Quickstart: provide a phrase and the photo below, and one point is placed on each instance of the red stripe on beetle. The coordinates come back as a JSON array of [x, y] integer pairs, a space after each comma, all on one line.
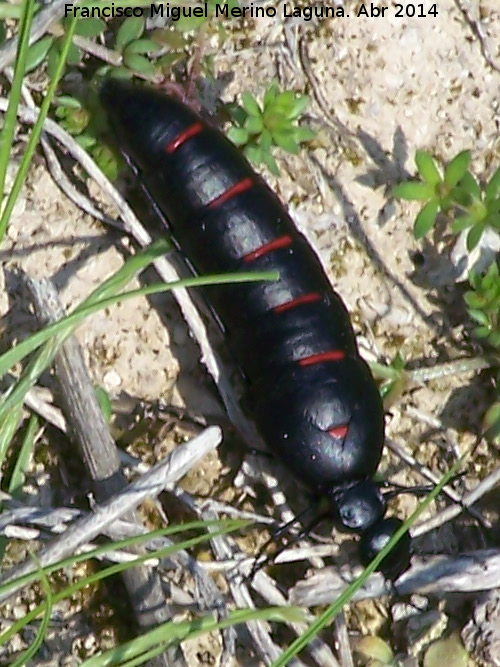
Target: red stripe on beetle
[[312, 297], [338, 431], [332, 355], [181, 138], [275, 244], [231, 192]]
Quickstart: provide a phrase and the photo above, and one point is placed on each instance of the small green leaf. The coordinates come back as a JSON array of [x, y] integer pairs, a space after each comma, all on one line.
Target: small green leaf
[[237, 113], [130, 30], [491, 422], [480, 317], [254, 153], [461, 223], [425, 219], [387, 388], [427, 168], [169, 37], [90, 27], [250, 104], [37, 52], [474, 236], [469, 185], [265, 140], [270, 94], [104, 403], [303, 134], [189, 23], [74, 55], [139, 64], [142, 46], [75, 121], [493, 221], [399, 362], [106, 160], [449, 651], [254, 124], [374, 648], [492, 187], [52, 60], [482, 332], [297, 107], [238, 135], [456, 169], [68, 101], [86, 141], [474, 300], [494, 339], [285, 141], [413, 191], [270, 162]]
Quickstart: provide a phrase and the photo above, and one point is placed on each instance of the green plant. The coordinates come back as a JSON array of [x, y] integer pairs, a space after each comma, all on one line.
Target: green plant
[[134, 48], [456, 191], [393, 377], [50, 46], [491, 419], [260, 129], [483, 302], [86, 125]]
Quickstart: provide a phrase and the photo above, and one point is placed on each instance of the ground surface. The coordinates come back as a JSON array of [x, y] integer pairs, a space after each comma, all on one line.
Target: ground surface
[[380, 88]]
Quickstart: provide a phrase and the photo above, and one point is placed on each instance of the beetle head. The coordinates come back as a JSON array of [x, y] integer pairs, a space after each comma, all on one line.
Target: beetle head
[[360, 507]]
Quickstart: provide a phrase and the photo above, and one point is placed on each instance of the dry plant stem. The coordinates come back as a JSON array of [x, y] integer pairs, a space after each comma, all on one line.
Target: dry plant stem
[[267, 588], [160, 477], [317, 95], [484, 487], [98, 50], [91, 434], [55, 169], [434, 479], [257, 630], [343, 641], [63, 182], [470, 11], [37, 403], [14, 520], [466, 573], [450, 368]]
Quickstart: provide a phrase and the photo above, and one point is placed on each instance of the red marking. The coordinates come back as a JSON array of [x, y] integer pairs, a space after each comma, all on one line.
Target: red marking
[[338, 431], [299, 301], [332, 355], [181, 138], [234, 190], [275, 244]]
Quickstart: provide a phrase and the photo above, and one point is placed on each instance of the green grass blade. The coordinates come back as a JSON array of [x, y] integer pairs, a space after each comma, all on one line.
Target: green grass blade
[[37, 129], [222, 528], [10, 118], [329, 614], [129, 654], [44, 625], [228, 525], [23, 458], [68, 323]]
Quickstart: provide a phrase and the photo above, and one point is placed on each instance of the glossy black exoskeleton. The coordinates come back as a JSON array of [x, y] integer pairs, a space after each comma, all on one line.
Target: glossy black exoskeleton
[[311, 395]]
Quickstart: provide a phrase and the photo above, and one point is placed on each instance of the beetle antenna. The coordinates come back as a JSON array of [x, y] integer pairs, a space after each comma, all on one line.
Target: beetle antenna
[[257, 565]]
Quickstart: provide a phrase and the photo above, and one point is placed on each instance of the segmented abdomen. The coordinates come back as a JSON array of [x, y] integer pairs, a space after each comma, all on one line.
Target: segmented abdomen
[[312, 397]]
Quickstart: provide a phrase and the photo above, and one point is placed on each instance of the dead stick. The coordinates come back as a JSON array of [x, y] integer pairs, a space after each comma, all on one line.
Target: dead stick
[[90, 432]]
